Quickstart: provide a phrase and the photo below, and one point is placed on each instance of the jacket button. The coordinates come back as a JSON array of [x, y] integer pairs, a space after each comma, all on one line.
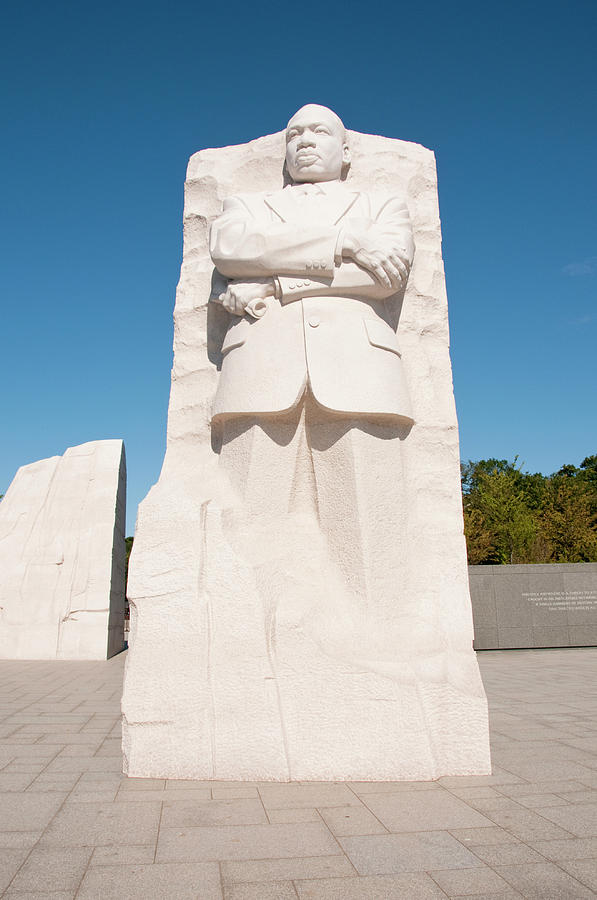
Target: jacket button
[[292, 286], [309, 264], [314, 321]]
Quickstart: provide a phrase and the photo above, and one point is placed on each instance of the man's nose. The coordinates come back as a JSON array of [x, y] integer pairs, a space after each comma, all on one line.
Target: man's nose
[[305, 140]]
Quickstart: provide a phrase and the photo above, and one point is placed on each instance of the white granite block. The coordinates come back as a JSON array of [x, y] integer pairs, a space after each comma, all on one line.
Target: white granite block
[[62, 556], [277, 640]]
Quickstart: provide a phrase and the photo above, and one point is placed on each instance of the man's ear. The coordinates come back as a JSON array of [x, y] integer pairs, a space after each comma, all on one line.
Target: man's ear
[[345, 162]]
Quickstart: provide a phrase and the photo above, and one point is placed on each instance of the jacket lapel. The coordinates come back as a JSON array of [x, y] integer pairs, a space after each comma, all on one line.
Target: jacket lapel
[[334, 205]]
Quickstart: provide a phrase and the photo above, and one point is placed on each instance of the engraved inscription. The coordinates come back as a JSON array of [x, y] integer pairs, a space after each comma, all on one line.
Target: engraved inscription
[[562, 599]]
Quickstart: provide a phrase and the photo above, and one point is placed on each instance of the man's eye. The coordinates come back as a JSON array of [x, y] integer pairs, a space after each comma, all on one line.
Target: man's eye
[[321, 131], [292, 134]]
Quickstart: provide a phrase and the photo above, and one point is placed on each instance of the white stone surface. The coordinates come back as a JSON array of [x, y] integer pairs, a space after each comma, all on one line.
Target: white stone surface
[[274, 637], [62, 556]]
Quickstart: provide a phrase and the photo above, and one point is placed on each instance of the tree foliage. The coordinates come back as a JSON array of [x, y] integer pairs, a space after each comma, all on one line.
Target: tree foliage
[[511, 516], [128, 541]]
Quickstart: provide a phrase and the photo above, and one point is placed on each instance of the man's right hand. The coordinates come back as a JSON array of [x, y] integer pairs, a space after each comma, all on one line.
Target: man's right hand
[[384, 264]]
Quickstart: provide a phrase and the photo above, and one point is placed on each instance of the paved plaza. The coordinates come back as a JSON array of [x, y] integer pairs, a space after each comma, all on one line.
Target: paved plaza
[[72, 826]]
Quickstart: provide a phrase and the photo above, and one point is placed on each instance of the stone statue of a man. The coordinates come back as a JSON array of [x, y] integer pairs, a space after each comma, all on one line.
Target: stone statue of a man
[[312, 402], [321, 260], [298, 585]]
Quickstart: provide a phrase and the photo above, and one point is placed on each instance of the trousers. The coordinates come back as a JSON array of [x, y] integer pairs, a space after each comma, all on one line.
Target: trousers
[[344, 474]]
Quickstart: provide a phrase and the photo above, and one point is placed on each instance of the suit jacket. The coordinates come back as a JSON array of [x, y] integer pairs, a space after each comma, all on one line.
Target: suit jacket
[[327, 328]]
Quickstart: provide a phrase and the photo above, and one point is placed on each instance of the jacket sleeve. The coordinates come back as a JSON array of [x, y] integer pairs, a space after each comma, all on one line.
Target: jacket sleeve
[[242, 246], [392, 228]]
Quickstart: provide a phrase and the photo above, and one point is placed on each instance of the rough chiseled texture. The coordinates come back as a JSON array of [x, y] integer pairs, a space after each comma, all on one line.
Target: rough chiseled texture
[[249, 658], [62, 556]]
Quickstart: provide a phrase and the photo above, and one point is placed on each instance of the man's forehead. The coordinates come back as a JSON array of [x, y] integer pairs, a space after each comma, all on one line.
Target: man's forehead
[[313, 114]]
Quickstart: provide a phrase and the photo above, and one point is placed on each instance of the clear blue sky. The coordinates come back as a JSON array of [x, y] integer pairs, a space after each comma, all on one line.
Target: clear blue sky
[[102, 104]]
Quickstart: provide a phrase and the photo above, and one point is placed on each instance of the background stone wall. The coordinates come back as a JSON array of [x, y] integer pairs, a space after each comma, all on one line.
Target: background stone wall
[[534, 606]]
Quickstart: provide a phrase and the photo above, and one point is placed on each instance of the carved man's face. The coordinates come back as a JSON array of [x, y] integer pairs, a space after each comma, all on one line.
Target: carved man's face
[[316, 148]]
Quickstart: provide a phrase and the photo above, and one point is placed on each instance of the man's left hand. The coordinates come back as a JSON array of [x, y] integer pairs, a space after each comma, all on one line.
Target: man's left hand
[[241, 294]]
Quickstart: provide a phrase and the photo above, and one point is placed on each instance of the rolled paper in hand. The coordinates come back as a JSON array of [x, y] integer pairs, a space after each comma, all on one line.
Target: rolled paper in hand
[[256, 308]]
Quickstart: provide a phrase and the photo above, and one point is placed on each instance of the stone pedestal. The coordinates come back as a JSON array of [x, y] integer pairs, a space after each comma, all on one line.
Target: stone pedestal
[[62, 556], [251, 657]]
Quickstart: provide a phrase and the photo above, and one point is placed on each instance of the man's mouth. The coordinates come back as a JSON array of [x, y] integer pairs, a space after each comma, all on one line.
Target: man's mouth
[[306, 157]]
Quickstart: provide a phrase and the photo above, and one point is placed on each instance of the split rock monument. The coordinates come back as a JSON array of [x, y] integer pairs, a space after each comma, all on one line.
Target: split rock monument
[[63, 556], [298, 584]]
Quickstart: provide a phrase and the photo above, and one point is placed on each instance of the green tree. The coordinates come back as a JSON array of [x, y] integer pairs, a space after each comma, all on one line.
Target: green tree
[[568, 519], [129, 546], [511, 516], [480, 543], [501, 506], [588, 475]]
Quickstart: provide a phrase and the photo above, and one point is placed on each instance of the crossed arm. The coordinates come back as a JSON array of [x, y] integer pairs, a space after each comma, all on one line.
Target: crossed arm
[[361, 257]]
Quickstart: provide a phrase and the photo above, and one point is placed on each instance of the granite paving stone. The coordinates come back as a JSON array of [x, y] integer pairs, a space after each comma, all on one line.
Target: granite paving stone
[[383, 854], [546, 769], [28, 812], [17, 840], [96, 824], [509, 895], [275, 890], [65, 782], [475, 792], [79, 795], [285, 796], [346, 820], [538, 801], [121, 855], [363, 788], [29, 767], [183, 881], [39, 895], [240, 792], [70, 740], [282, 816], [507, 854], [85, 764], [245, 842], [544, 881], [580, 819], [15, 781], [498, 776], [199, 796], [573, 848], [585, 796], [529, 825], [185, 813], [460, 882], [493, 804], [292, 869], [480, 836], [415, 811], [10, 863], [149, 784], [584, 870], [371, 887], [527, 788], [55, 869]]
